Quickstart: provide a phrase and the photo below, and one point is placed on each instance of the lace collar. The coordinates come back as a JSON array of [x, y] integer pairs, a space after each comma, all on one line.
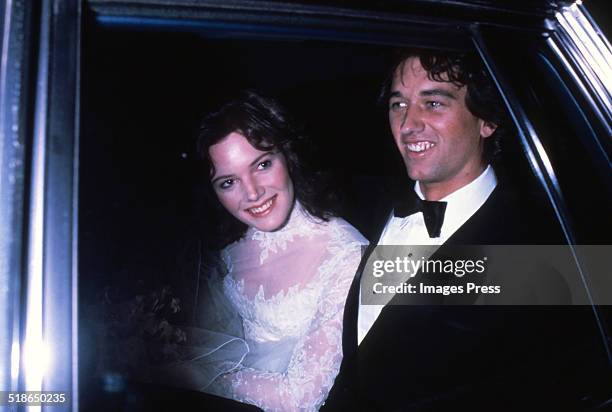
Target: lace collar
[[300, 224]]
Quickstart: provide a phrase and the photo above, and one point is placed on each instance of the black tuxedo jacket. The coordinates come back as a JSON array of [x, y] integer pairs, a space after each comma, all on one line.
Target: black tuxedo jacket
[[421, 358]]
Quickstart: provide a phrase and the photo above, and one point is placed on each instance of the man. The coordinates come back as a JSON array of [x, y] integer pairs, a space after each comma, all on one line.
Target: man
[[447, 122], [439, 138]]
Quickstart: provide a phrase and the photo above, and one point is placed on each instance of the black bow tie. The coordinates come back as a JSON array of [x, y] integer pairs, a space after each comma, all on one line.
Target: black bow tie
[[433, 211]]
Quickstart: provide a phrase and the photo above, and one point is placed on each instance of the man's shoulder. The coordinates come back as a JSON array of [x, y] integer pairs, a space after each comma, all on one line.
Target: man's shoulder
[[511, 216]]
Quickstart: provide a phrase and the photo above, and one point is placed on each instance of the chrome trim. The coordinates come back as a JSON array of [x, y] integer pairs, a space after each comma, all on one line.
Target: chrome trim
[[573, 54], [529, 15], [591, 55], [51, 300], [15, 22], [75, 217], [580, 111], [554, 46], [597, 31], [34, 277], [60, 292]]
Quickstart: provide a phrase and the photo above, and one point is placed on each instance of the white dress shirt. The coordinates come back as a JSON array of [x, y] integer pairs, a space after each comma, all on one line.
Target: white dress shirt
[[411, 230]]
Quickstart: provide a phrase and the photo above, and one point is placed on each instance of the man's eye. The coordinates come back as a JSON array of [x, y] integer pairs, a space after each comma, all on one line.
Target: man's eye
[[226, 184], [395, 106], [264, 165], [434, 104]]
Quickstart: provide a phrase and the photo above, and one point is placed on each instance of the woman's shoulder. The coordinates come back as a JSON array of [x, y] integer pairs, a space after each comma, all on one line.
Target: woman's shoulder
[[346, 231]]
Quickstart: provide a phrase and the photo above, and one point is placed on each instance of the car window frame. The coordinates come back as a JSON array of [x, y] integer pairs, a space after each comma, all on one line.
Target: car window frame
[[48, 252]]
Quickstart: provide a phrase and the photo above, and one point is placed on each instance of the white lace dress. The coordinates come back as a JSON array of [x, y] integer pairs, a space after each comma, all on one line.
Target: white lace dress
[[289, 288]]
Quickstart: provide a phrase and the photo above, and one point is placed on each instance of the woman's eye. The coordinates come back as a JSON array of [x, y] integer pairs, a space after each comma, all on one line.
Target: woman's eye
[[264, 165], [226, 184]]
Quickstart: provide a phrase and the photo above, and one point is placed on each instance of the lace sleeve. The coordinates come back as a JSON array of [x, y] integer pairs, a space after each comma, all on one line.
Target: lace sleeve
[[315, 362]]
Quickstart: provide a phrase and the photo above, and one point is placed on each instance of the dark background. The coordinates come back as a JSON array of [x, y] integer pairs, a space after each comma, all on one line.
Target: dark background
[[143, 97]]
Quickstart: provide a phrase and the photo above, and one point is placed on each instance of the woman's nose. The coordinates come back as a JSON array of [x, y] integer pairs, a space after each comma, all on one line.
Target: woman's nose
[[253, 190]]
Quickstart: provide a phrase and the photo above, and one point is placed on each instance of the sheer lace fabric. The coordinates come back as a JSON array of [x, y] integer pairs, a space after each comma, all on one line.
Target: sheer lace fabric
[[289, 288]]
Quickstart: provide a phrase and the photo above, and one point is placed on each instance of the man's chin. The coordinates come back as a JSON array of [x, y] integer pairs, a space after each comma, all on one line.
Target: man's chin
[[418, 175]]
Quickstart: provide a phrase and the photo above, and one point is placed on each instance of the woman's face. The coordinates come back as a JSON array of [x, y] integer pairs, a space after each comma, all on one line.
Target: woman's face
[[254, 186]]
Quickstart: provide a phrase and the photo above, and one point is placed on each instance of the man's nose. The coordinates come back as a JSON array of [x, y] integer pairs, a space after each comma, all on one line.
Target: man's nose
[[253, 190], [412, 121]]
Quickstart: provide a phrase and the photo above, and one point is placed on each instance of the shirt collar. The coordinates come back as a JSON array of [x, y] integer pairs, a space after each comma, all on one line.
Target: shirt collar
[[465, 201]]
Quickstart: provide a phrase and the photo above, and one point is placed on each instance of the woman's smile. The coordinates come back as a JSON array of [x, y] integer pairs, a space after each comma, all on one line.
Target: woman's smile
[[263, 209], [252, 184]]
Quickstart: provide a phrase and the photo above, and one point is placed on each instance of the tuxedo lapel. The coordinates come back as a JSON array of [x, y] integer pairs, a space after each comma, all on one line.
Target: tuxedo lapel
[[481, 228], [446, 352], [499, 221], [351, 308]]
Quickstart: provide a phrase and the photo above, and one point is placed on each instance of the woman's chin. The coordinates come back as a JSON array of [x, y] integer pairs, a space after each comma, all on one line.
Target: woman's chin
[[271, 223]]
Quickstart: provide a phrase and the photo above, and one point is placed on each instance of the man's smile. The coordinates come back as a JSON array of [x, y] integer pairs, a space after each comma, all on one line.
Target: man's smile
[[419, 147]]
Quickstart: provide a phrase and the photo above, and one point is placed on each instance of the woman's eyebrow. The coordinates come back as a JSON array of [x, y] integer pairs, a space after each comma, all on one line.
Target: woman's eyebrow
[[253, 163], [220, 178], [258, 158]]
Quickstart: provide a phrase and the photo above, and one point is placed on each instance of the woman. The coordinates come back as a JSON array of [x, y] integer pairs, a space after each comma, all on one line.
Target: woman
[[289, 262]]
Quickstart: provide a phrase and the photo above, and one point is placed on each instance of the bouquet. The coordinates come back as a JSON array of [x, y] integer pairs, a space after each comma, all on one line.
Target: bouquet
[[135, 333]]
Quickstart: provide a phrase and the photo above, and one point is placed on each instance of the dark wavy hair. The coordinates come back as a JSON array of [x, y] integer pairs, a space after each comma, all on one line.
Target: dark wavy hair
[[267, 127], [461, 69]]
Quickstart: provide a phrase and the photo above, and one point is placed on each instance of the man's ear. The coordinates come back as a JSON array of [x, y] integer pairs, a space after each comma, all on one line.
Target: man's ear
[[487, 128]]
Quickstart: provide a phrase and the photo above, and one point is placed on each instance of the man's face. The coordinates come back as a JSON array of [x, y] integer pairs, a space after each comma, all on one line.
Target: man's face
[[440, 141]]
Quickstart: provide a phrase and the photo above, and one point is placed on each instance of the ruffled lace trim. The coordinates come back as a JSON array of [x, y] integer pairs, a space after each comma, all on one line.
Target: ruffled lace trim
[[300, 224], [264, 315]]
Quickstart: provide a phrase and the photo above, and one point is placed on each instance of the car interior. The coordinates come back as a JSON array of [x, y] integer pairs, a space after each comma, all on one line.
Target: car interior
[[149, 71]]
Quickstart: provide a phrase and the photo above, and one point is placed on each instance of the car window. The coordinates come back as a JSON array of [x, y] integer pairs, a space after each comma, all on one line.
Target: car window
[[145, 88], [574, 139]]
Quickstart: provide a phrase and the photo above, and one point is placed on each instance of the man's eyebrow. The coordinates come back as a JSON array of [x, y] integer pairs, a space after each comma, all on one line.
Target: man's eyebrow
[[428, 92], [438, 92]]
